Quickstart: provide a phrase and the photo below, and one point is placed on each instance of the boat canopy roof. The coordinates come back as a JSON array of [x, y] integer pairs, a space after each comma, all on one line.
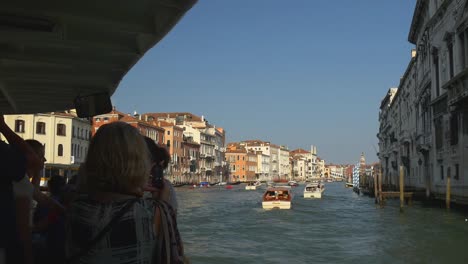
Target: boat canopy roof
[[52, 52]]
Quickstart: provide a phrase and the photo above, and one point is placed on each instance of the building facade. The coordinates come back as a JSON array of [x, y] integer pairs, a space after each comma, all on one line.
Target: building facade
[[65, 138], [424, 127]]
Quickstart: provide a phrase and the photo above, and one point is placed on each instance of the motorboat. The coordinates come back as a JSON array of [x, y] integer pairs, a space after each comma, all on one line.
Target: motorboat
[[258, 183], [349, 185], [251, 186], [293, 183], [314, 190], [277, 198]]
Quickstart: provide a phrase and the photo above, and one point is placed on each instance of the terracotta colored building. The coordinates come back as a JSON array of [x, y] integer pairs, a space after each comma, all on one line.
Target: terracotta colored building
[[148, 129], [174, 137], [242, 163]]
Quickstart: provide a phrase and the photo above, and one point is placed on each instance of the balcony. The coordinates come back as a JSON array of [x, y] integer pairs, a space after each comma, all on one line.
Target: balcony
[[457, 88]]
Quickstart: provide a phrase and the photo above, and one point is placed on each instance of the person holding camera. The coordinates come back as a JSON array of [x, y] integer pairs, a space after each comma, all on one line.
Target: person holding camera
[[112, 222], [158, 186]]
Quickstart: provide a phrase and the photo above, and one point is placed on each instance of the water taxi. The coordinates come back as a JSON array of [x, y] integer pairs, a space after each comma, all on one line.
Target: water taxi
[[293, 183], [314, 190], [251, 186], [277, 198]]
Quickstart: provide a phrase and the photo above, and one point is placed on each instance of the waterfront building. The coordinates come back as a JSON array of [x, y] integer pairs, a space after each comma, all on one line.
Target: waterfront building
[[284, 165], [146, 127], [299, 161], [304, 164], [274, 161], [174, 137], [242, 163], [211, 139], [265, 165], [424, 127], [320, 167], [190, 160], [65, 138]]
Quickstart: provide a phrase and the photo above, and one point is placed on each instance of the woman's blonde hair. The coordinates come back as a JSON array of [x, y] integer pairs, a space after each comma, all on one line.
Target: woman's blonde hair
[[117, 160]]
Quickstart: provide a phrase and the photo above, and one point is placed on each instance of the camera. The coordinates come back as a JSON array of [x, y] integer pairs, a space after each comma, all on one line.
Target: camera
[[157, 172]]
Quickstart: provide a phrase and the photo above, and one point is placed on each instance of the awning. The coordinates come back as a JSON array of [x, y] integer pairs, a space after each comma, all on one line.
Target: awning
[[53, 51]]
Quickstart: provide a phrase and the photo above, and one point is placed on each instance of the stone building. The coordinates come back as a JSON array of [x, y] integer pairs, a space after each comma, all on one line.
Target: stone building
[[424, 123]]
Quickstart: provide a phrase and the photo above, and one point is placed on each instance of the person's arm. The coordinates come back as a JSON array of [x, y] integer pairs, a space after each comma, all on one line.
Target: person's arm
[[23, 211], [32, 160], [46, 201]]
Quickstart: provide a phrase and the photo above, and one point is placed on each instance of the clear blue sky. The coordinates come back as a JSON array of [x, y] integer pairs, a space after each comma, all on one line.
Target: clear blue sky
[[295, 73]]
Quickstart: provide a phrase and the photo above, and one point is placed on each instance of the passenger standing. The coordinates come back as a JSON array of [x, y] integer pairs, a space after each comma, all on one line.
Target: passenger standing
[[161, 157], [16, 158], [112, 223]]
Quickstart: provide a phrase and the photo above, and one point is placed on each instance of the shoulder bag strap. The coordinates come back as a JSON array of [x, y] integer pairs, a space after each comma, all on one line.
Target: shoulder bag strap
[[84, 250]]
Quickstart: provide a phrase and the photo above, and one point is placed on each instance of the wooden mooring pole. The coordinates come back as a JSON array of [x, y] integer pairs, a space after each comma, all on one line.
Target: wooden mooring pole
[[376, 190], [402, 188], [380, 188], [447, 194]]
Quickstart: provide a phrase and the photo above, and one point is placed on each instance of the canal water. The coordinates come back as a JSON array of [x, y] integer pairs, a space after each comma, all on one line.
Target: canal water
[[230, 226]]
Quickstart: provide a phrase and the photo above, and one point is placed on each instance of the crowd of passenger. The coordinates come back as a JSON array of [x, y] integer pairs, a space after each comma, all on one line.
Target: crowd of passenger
[[115, 210]]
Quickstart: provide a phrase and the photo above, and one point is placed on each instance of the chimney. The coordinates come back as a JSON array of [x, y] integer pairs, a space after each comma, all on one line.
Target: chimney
[[202, 118], [413, 53]]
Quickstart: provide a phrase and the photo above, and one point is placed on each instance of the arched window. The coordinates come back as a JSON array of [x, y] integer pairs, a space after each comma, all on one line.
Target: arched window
[[60, 150], [61, 130]]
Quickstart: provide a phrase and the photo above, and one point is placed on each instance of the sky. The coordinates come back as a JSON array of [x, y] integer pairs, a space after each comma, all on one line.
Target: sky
[[295, 73]]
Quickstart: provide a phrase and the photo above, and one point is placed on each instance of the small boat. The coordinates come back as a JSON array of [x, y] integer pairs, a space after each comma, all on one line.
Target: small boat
[[221, 183], [251, 186], [258, 183], [277, 198], [349, 185], [314, 190], [270, 184], [293, 183]]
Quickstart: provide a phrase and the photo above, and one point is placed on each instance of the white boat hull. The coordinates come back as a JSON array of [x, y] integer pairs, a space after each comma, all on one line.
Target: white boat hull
[[276, 205], [251, 188], [317, 194]]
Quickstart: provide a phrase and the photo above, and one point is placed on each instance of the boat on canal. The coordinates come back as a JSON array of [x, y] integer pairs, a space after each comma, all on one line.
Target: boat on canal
[[314, 190], [293, 183], [251, 186], [279, 197]]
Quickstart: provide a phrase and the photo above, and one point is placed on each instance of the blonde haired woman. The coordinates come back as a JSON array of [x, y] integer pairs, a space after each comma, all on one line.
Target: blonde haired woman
[[112, 223]]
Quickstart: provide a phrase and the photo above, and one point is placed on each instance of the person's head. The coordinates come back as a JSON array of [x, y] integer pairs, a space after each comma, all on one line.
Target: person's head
[[56, 184], [159, 154], [38, 148], [73, 179], [117, 161]]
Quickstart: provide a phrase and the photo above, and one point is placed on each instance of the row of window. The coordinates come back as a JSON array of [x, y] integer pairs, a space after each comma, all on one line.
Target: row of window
[[78, 151], [456, 173], [61, 129], [40, 128], [98, 119], [81, 133], [176, 133]]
